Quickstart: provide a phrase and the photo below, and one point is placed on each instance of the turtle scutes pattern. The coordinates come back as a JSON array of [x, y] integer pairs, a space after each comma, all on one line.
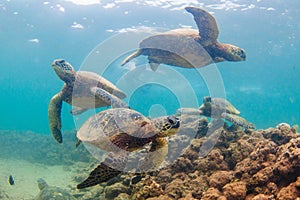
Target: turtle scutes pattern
[[188, 48], [120, 131], [83, 90]]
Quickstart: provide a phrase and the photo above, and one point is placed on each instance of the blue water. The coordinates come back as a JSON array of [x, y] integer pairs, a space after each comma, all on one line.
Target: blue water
[[265, 88]]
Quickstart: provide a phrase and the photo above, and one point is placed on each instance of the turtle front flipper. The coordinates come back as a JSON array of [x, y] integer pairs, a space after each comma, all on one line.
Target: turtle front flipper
[[108, 98], [188, 111], [156, 155], [54, 112], [207, 25], [237, 120]]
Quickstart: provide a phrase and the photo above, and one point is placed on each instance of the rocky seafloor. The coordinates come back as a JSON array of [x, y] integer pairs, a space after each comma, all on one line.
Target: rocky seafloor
[[259, 165], [243, 164]]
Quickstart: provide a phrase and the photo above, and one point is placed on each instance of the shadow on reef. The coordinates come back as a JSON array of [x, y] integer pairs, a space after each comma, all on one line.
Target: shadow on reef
[[38, 148], [262, 164]]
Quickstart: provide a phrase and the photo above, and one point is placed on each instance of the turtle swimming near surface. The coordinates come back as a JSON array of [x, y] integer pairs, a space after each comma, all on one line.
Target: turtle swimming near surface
[[83, 90], [120, 131], [188, 48]]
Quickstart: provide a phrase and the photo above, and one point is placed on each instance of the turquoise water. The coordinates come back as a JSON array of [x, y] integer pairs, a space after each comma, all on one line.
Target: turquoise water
[[265, 88]]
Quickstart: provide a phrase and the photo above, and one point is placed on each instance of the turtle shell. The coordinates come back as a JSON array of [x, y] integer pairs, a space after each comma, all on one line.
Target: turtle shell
[[116, 123], [179, 47], [80, 94]]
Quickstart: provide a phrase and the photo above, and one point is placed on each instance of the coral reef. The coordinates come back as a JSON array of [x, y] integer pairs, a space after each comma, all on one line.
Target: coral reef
[[45, 151], [243, 164], [262, 164]]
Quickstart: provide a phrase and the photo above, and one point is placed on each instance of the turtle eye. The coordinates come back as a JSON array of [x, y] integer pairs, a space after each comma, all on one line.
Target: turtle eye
[[242, 54], [66, 66], [172, 119], [136, 117], [60, 62], [207, 99]]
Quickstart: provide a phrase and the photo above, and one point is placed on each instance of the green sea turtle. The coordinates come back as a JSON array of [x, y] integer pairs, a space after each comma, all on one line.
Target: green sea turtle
[[121, 131], [217, 108], [188, 48], [51, 192], [83, 90]]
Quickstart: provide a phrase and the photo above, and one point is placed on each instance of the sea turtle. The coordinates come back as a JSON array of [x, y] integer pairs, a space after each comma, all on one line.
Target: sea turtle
[[121, 131], [217, 108], [83, 90], [188, 48], [51, 192]]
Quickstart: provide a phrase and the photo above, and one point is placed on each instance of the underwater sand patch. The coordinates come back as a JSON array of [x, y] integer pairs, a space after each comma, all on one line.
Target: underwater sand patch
[[26, 175]]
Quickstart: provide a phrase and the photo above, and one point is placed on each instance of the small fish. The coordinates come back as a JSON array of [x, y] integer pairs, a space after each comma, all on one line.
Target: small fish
[[11, 180]]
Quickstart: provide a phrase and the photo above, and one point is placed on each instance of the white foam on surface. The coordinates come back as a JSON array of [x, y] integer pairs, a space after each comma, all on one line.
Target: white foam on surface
[[35, 40], [175, 4], [109, 5], [77, 26], [84, 2]]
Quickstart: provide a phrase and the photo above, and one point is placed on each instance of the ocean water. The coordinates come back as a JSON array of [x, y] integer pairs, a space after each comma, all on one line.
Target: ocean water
[[265, 88], [96, 36]]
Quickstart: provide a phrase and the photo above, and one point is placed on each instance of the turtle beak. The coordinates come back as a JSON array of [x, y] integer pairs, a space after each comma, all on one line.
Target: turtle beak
[[58, 62], [144, 123], [53, 64]]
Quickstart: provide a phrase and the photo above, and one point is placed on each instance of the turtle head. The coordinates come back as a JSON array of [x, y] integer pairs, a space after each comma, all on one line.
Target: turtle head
[[233, 53], [42, 183], [207, 99], [64, 70], [167, 125]]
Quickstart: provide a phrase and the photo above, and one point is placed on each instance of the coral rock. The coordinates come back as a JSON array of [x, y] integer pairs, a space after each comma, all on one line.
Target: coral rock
[[262, 197], [161, 197], [235, 190], [122, 196], [174, 189], [112, 191], [146, 188], [291, 192], [219, 179], [211, 194]]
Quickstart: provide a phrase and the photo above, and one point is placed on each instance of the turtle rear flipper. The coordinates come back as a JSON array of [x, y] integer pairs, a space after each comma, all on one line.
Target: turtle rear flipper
[[54, 112], [155, 157], [77, 110], [100, 174], [108, 98], [207, 25], [153, 65], [111, 167], [132, 56]]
